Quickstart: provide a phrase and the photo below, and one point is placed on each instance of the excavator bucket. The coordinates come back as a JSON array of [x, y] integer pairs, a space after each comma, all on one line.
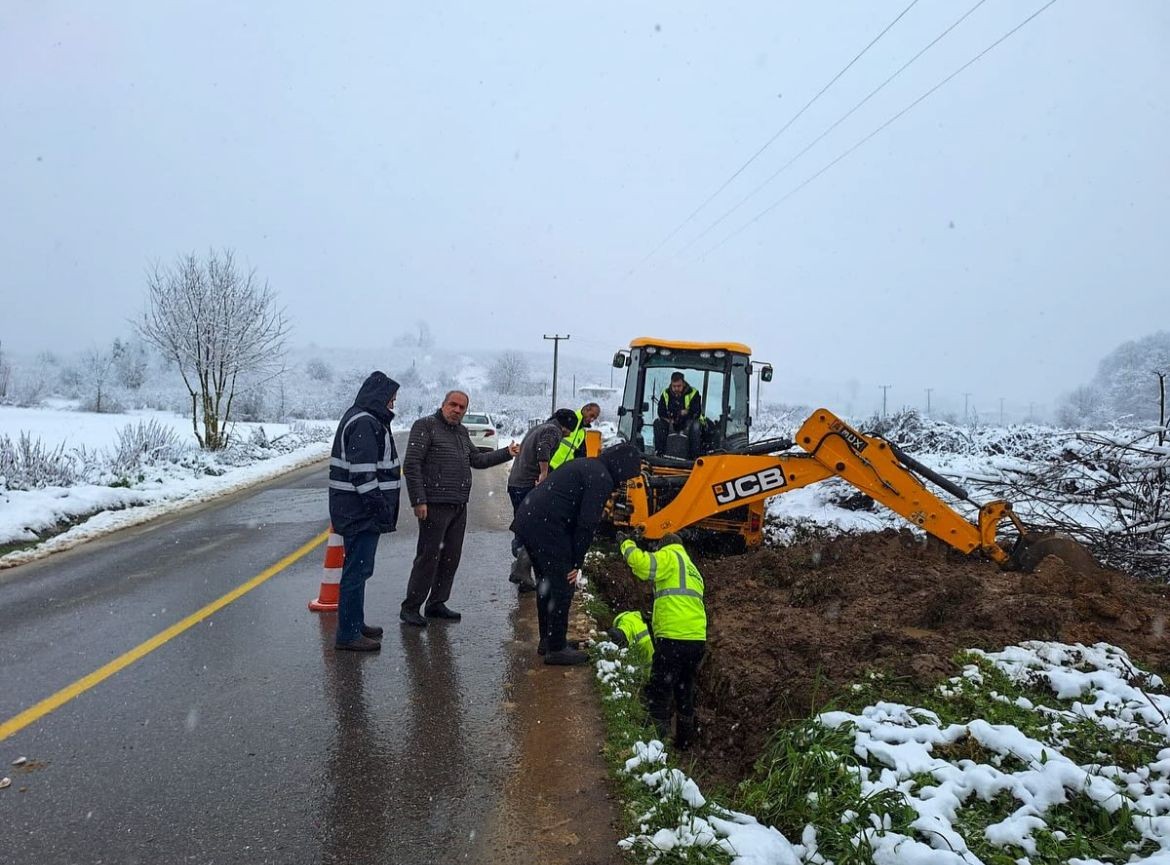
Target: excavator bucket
[[1031, 549]]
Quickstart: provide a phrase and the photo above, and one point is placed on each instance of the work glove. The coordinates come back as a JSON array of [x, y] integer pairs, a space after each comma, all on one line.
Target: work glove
[[622, 537]]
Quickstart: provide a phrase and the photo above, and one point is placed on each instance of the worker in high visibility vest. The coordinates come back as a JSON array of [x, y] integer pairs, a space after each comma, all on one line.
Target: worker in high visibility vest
[[629, 631], [680, 410], [680, 632], [573, 444]]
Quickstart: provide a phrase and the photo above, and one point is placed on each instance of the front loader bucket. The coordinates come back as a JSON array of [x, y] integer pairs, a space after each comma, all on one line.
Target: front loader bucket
[[1031, 549]]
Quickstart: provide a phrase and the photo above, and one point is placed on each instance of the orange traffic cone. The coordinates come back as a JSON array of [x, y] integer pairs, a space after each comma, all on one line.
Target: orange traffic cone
[[331, 578]]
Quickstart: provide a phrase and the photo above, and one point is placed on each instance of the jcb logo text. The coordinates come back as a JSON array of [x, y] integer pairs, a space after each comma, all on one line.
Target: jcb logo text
[[748, 485]]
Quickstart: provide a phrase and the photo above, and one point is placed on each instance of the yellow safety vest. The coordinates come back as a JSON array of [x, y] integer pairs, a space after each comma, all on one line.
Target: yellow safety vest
[[567, 449], [679, 613], [687, 397], [637, 634]]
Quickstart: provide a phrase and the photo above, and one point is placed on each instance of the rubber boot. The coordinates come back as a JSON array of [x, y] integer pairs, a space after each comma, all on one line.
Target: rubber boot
[[661, 727], [684, 732]]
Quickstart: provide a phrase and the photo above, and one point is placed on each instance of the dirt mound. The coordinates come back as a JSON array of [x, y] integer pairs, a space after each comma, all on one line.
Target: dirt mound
[[789, 626]]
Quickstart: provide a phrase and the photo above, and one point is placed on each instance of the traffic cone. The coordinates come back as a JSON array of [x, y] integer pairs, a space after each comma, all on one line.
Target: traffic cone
[[331, 578]]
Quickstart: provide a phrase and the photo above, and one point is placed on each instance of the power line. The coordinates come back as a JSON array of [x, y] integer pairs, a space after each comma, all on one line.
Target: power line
[[835, 124], [768, 143], [929, 92]]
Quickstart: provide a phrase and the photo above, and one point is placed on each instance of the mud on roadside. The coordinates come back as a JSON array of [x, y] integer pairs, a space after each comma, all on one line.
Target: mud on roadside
[[790, 626]]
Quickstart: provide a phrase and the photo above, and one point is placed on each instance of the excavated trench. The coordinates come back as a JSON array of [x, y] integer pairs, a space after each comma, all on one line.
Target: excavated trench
[[789, 626]]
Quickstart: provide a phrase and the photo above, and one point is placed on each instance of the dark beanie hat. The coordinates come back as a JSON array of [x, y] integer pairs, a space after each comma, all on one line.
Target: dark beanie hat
[[624, 461], [668, 539], [566, 417]]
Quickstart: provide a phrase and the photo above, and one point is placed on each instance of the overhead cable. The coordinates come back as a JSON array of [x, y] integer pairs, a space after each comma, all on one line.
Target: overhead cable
[[835, 124], [768, 143], [932, 90]]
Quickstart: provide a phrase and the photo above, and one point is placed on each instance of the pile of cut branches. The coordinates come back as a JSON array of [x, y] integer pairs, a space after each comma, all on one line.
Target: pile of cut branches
[[1109, 490]]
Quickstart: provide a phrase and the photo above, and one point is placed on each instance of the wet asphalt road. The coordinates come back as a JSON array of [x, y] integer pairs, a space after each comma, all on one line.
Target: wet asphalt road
[[247, 738]]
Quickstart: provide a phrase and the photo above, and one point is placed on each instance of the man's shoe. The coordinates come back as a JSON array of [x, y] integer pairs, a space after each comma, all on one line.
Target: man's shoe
[[442, 611], [566, 657], [372, 631], [410, 617], [542, 646], [359, 644]]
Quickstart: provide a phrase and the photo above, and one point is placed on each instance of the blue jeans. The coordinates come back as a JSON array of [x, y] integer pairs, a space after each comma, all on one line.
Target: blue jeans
[[360, 550]]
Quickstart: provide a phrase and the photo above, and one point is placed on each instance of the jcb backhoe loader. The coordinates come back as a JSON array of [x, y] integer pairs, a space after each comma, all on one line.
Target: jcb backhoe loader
[[723, 489]]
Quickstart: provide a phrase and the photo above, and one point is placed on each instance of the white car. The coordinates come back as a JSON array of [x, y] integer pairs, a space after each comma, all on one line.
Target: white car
[[482, 430]]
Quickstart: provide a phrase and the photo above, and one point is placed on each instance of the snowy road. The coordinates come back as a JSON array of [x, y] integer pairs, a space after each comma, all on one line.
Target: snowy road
[[246, 737]]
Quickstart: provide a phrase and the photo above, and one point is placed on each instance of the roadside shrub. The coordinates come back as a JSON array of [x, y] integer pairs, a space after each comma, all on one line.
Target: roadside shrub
[[144, 443], [27, 464]]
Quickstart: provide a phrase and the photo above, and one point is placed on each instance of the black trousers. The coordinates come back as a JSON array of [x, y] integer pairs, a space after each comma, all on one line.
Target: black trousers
[[554, 596], [672, 675], [440, 546], [689, 426]]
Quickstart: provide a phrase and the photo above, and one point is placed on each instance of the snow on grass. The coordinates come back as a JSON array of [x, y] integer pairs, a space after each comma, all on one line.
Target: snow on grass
[[1083, 778]]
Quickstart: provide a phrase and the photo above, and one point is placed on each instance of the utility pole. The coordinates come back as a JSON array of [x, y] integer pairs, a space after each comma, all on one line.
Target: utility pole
[[928, 390], [1001, 411], [1031, 412], [884, 387], [556, 345], [966, 401]]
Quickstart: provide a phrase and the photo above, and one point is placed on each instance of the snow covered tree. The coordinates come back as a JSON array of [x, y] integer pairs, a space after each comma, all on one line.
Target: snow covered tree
[[97, 373], [217, 324], [509, 373], [410, 377], [319, 370], [1084, 407], [130, 362], [5, 373], [1129, 376]]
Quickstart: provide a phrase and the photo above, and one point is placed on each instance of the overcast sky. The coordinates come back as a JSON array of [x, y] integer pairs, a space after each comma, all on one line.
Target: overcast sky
[[509, 170]]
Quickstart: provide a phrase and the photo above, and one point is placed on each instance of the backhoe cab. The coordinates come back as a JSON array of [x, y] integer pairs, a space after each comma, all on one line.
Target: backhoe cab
[[720, 372]]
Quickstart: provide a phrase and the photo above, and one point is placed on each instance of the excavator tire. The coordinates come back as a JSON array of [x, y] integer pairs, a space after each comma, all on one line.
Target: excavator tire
[[1031, 551]]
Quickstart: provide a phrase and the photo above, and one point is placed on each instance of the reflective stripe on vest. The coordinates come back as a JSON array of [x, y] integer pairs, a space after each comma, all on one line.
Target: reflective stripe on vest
[[349, 468], [567, 449], [687, 397], [682, 581]]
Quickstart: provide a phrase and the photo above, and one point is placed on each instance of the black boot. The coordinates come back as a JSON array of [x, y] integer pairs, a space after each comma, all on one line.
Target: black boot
[[684, 732]]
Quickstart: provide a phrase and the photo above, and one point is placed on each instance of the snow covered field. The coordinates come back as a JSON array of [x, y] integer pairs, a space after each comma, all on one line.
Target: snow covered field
[[104, 499]]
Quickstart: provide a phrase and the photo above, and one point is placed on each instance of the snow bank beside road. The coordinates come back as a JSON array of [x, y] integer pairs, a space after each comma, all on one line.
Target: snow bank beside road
[[152, 489]]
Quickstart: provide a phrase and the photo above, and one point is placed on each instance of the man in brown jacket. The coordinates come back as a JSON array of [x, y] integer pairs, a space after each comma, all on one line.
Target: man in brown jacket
[[437, 467]]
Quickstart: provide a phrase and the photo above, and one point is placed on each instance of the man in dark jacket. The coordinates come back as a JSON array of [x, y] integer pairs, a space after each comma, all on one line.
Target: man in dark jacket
[[438, 464], [556, 523], [530, 468], [363, 501]]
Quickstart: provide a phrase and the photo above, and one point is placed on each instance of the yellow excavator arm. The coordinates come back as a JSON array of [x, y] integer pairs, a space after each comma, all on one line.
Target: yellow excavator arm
[[725, 481]]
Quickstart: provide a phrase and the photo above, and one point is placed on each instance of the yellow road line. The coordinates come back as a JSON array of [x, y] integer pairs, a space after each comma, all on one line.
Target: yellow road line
[[44, 707]]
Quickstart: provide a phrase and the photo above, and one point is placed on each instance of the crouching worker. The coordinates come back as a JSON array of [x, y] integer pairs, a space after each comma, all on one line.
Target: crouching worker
[[556, 523], [629, 631], [680, 632]]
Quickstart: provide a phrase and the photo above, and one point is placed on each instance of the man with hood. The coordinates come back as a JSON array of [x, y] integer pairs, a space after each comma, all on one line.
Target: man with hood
[[555, 523], [363, 502]]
